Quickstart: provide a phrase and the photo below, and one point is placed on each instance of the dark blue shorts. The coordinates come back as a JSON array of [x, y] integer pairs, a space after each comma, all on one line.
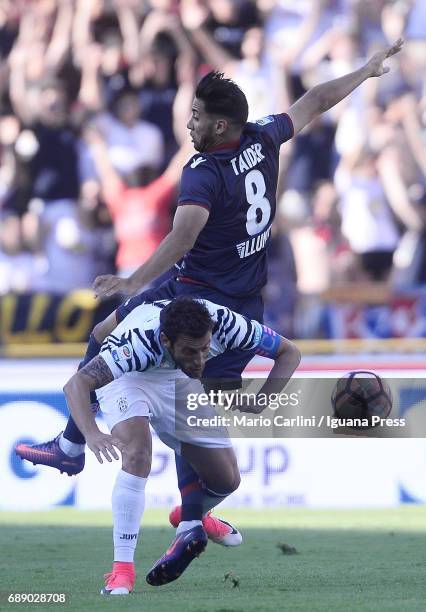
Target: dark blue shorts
[[227, 367]]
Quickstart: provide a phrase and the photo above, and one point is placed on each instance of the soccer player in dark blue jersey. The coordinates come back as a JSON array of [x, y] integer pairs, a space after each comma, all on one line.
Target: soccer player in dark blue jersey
[[221, 230]]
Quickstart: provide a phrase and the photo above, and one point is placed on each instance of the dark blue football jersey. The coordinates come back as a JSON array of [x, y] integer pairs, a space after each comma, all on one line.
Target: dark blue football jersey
[[238, 186]]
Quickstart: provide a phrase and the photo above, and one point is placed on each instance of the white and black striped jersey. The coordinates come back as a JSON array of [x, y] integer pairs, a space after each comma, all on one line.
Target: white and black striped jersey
[[134, 345]]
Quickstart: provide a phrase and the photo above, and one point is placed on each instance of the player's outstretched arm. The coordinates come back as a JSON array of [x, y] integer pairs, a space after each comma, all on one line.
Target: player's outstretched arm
[[287, 358], [323, 97], [77, 390], [188, 222]]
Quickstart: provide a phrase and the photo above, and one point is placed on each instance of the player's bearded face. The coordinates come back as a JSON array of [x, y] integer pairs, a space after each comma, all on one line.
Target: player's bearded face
[[190, 354], [201, 127]]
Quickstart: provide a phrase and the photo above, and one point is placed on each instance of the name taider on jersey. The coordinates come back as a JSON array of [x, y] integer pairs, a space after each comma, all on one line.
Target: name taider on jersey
[[237, 184]]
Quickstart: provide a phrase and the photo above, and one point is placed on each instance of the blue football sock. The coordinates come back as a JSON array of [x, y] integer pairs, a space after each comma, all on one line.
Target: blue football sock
[[211, 499], [191, 490], [72, 432]]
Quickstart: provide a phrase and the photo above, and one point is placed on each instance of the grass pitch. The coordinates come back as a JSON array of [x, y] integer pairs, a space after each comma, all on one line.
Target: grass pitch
[[363, 560]]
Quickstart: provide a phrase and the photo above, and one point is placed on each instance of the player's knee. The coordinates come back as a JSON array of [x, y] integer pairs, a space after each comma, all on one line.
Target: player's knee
[[235, 481], [136, 460], [228, 482], [231, 477]]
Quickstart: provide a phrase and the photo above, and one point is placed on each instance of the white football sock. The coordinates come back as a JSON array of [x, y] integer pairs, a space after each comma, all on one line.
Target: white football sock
[[70, 448], [185, 525], [128, 503]]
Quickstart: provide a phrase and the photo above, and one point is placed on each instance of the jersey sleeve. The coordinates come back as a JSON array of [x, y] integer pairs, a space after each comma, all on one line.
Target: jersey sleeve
[[133, 350], [278, 127], [198, 184], [234, 331]]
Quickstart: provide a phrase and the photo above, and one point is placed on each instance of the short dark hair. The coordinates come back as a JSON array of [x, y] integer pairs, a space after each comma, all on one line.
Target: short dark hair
[[186, 316], [222, 96]]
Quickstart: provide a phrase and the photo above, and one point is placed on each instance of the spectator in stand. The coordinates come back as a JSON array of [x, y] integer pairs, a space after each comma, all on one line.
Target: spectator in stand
[[228, 22], [9, 28], [311, 159], [294, 27], [166, 60], [132, 143], [281, 293], [104, 49], [141, 214], [52, 222], [259, 78], [367, 220], [9, 132], [402, 168], [122, 63]]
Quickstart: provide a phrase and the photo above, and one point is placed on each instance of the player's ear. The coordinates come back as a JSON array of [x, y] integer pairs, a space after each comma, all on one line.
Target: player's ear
[[165, 341], [221, 126]]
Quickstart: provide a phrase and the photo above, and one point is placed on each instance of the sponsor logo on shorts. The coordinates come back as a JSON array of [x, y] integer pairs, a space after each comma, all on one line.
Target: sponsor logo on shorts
[[126, 352], [115, 355]]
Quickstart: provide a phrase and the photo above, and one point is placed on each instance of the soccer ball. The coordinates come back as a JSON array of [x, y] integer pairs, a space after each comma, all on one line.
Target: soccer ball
[[361, 395]]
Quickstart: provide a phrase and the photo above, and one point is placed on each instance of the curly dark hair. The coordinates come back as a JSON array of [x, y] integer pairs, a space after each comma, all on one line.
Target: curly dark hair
[[186, 316], [222, 97]]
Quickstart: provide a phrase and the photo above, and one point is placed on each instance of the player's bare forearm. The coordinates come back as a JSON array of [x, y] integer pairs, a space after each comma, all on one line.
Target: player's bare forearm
[[188, 222], [327, 95], [323, 97], [92, 376], [171, 250], [286, 356], [283, 369]]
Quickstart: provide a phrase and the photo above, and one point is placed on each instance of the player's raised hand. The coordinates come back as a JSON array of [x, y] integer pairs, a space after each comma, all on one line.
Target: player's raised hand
[[102, 445], [107, 285], [375, 64]]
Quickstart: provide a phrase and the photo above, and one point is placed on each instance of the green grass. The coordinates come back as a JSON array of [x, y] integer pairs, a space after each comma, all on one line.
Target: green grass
[[362, 560]]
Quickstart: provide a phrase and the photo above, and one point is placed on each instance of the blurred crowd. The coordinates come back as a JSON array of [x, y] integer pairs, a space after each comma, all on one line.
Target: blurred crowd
[[94, 100]]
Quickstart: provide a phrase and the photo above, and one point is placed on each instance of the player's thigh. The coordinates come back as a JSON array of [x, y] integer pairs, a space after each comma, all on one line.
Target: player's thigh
[[126, 410], [135, 441], [217, 467]]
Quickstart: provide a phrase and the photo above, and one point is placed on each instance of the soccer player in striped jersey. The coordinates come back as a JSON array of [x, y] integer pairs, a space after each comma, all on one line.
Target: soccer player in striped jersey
[[145, 372], [221, 229]]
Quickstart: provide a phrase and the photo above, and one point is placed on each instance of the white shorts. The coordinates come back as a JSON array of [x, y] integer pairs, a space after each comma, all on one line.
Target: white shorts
[[152, 394]]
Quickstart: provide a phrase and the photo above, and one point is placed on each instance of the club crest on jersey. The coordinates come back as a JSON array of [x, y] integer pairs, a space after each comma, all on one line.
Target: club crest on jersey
[[253, 245]]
